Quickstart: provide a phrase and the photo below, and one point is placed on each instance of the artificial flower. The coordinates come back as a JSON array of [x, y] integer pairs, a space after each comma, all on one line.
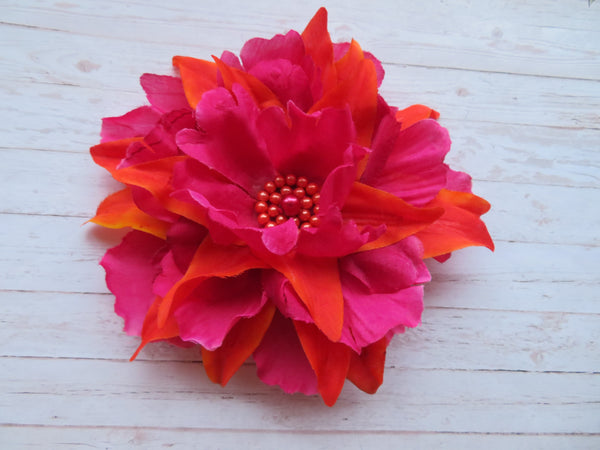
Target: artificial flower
[[280, 210]]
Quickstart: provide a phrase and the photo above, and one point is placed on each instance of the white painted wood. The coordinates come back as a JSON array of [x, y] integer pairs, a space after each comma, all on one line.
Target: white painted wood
[[507, 355]]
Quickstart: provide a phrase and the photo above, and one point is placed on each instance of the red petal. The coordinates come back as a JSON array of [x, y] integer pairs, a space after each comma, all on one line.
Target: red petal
[[459, 226], [119, 211], [366, 369], [241, 341], [329, 360], [317, 43], [414, 114], [197, 75], [317, 283], [369, 206]]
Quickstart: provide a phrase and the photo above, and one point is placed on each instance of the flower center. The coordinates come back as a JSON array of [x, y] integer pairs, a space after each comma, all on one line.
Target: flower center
[[288, 197]]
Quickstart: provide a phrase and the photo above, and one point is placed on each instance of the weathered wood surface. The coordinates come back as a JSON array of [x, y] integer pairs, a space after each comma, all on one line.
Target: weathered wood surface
[[508, 355]]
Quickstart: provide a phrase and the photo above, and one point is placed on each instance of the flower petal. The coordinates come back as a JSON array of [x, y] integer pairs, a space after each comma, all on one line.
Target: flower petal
[[131, 268], [110, 154], [413, 114], [411, 166], [197, 75], [369, 317], [281, 361], [357, 89], [152, 331], [329, 360], [317, 43], [282, 295], [118, 210], [241, 341], [387, 269], [369, 206], [281, 239], [459, 226], [210, 260], [165, 93], [229, 141], [208, 313], [366, 369], [289, 47], [317, 283], [296, 141], [135, 123], [262, 96]]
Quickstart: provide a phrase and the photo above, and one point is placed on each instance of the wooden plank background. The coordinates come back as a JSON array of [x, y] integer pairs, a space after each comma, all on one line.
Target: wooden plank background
[[508, 355]]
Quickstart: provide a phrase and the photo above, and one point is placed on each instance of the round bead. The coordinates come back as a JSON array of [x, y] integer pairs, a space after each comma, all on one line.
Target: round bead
[[275, 198], [297, 221], [285, 190], [306, 202], [270, 225], [304, 215], [312, 189], [273, 211], [290, 180], [279, 181], [302, 182], [316, 198], [316, 209], [314, 221], [263, 196], [299, 192], [305, 225], [270, 187], [290, 205], [280, 219], [261, 207], [263, 218]]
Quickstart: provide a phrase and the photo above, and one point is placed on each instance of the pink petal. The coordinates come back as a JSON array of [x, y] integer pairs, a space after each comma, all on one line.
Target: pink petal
[[228, 141], [411, 166], [290, 47], [280, 291], [387, 269], [231, 60], [135, 123], [165, 93], [207, 315], [168, 276], [369, 317], [289, 82], [131, 268], [282, 238], [458, 181], [183, 238], [280, 359], [298, 146]]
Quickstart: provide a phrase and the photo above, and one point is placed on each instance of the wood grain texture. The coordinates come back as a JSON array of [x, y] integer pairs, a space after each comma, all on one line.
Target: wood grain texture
[[508, 352]]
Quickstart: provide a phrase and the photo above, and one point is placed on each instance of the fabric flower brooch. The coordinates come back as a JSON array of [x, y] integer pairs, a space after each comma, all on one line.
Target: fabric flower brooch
[[281, 210]]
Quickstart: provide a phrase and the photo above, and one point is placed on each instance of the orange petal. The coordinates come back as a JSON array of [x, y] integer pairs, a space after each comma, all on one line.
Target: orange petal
[[414, 114], [366, 369], [329, 360], [241, 341], [152, 331], [197, 76], [317, 43], [110, 154], [210, 260], [459, 226], [317, 283], [119, 211], [356, 88], [262, 95], [367, 205]]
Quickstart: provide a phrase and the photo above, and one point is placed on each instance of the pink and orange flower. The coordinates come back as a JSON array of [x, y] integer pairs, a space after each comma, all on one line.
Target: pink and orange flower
[[281, 210]]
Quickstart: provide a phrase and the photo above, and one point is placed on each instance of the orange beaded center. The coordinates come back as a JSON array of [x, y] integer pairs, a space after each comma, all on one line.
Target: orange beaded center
[[288, 197]]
